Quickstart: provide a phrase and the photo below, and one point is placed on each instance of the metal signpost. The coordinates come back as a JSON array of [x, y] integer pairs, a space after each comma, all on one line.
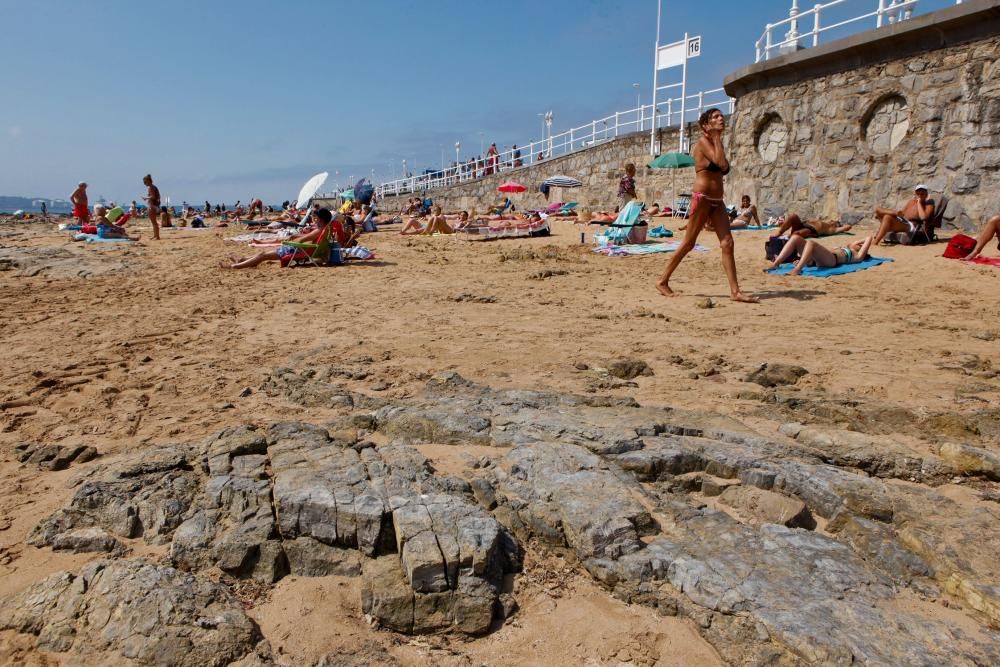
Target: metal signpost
[[664, 57]]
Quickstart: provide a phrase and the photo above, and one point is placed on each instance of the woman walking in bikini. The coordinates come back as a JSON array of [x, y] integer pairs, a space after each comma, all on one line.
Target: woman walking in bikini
[[710, 165]]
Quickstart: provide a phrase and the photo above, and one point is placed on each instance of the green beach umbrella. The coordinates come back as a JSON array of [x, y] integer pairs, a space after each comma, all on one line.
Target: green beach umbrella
[[672, 161], [347, 194]]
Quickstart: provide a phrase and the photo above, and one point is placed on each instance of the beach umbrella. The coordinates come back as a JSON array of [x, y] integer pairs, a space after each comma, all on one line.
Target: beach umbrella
[[672, 161], [511, 186], [562, 182], [310, 189], [347, 194]]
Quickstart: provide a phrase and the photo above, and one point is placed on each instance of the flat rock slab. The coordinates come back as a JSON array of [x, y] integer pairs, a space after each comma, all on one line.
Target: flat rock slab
[[767, 507], [130, 610]]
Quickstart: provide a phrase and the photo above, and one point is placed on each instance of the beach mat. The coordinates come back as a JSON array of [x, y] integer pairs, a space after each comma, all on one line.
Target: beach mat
[[826, 272], [642, 249], [94, 238], [753, 228]]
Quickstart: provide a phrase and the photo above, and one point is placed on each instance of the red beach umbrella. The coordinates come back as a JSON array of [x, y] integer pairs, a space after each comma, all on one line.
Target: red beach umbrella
[[511, 186]]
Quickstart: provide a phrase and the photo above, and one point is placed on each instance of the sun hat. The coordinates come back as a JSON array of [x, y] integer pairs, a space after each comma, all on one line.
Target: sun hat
[[921, 186]]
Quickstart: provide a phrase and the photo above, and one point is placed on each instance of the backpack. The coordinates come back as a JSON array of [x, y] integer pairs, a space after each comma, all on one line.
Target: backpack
[[773, 247], [959, 246]]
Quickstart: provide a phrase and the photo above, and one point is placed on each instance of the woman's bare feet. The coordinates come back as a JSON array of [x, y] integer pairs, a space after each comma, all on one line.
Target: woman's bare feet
[[745, 298], [664, 289]]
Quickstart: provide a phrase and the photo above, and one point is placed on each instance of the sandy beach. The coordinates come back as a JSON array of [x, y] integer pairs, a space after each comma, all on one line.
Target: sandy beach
[[126, 346]]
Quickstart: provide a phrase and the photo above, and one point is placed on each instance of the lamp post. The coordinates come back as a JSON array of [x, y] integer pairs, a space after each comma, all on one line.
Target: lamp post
[[638, 103], [548, 127]]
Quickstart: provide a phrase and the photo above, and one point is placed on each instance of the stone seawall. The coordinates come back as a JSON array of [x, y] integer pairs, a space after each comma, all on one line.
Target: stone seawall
[[864, 128], [829, 131], [598, 167]]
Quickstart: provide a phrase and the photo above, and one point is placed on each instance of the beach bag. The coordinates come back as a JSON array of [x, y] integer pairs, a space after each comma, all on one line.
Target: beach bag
[[638, 232], [959, 246], [358, 252], [773, 247]]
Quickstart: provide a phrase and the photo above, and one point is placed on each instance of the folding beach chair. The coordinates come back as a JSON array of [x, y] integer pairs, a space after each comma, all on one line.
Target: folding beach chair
[[681, 206], [312, 254], [566, 208], [619, 230]]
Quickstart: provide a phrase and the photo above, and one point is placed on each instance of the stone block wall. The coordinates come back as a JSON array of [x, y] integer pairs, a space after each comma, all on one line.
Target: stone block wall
[[598, 167], [839, 144]]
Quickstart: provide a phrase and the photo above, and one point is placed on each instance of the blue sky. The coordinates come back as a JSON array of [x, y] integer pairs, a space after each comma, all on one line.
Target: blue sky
[[224, 100]]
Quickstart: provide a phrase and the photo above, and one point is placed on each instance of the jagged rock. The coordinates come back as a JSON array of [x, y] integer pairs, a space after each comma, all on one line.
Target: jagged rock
[[146, 496], [628, 369], [714, 486], [776, 375], [881, 457], [790, 581], [767, 507], [114, 611], [311, 558], [87, 540], [53, 457], [971, 460]]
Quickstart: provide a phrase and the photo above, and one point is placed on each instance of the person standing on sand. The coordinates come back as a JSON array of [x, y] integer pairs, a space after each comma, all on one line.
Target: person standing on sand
[[626, 186], [708, 203], [81, 210], [153, 202], [45, 211]]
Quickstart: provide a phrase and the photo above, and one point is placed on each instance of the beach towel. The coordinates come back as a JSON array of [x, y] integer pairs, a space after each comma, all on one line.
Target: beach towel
[[643, 249], [94, 238], [754, 228], [660, 232], [988, 261], [826, 272]]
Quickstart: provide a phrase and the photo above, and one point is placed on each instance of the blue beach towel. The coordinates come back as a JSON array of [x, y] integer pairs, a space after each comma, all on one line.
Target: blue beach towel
[[94, 238], [818, 272]]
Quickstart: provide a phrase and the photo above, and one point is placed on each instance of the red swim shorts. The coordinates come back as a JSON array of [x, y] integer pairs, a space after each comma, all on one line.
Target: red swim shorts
[[80, 211]]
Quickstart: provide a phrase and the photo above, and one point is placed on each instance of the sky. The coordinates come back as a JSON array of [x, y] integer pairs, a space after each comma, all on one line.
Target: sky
[[224, 100]]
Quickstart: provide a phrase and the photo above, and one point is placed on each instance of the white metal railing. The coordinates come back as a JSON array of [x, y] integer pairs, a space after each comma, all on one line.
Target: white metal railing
[[886, 11], [668, 114]]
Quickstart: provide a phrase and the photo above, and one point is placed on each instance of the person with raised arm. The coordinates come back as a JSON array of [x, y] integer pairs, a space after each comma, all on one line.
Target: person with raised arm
[[708, 204]]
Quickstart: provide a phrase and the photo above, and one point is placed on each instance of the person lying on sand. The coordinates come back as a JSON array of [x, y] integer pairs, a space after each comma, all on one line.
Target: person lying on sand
[[794, 226], [909, 219], [322, 219], [107, 229], [603, 217], [813, 254], [992, 229]]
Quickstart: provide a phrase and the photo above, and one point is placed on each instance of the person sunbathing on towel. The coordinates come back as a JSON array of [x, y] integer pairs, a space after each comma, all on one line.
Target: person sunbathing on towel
[[911, 218], [603, 217], [813, 254], [794, 226], [437, 223], [992, 229], [107, 229], [745, 214], [322, 219], [463, 220]]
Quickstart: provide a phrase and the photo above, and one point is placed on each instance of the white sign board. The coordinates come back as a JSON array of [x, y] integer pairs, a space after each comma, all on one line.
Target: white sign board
[[670, 55], [673, 55], [694, 47]]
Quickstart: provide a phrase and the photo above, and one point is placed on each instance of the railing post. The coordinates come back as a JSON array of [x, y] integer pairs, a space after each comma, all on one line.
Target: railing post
[[571, 139], [701, 98], [879, 13], [767, 41], [816, 10], [616, 124], [593, 131], [670, 111]]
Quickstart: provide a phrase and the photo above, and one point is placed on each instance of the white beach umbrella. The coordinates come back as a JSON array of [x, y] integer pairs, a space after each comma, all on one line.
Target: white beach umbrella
[[310, 189]]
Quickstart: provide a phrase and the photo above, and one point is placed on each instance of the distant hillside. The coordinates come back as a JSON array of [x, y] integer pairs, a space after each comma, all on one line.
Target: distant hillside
[[11, 204]]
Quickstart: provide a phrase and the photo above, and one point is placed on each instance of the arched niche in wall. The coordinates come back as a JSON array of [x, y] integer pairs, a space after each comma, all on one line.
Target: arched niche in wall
[[885, 123], [771, 137]]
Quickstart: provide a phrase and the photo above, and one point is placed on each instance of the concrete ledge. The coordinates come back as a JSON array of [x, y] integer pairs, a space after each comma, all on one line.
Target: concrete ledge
[[970, 21]]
